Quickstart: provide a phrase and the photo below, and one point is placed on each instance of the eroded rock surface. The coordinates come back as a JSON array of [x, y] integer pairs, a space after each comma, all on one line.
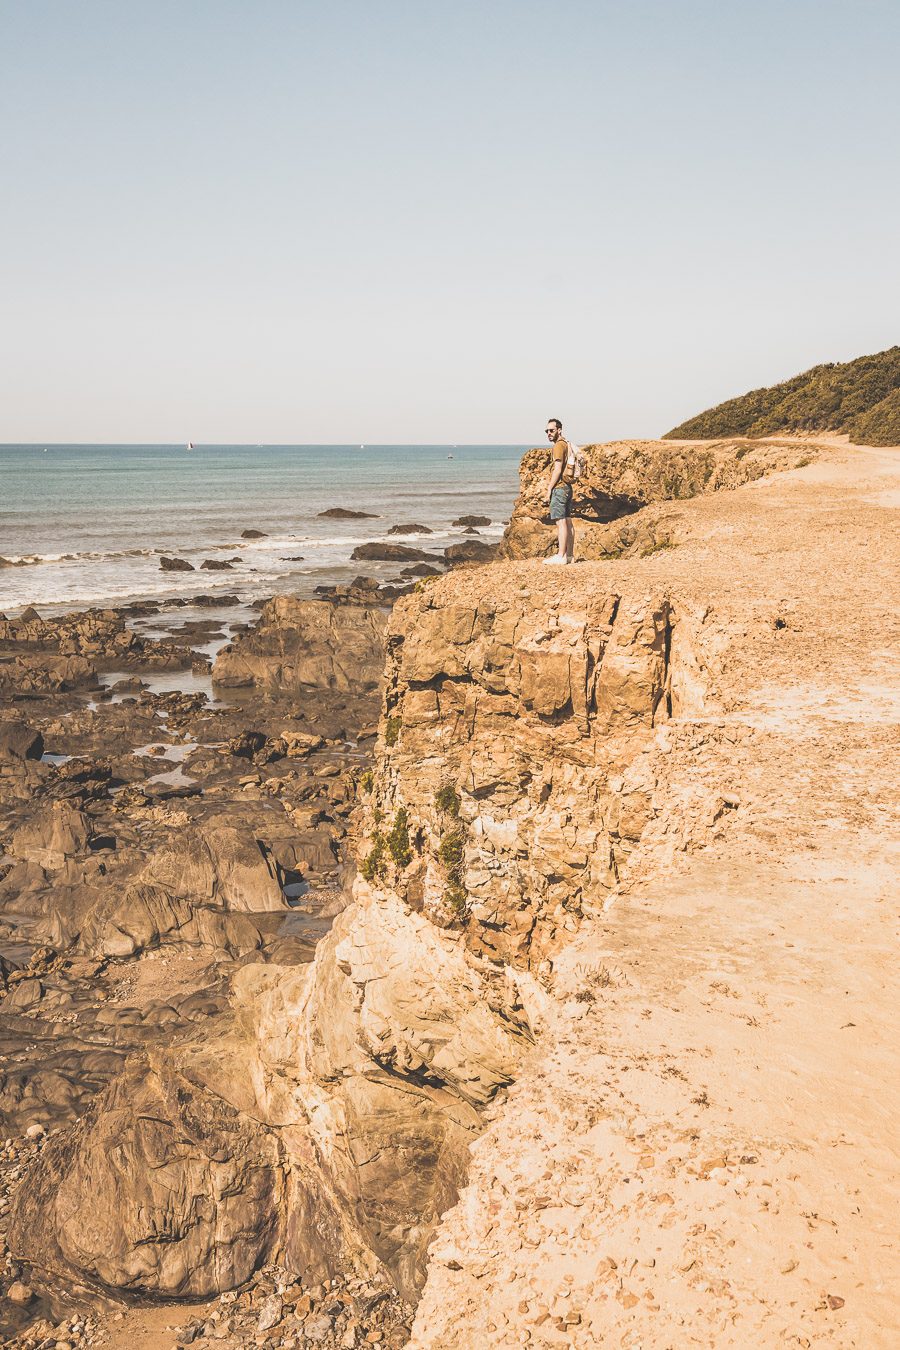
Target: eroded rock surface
[[306, 644], [623, 477]]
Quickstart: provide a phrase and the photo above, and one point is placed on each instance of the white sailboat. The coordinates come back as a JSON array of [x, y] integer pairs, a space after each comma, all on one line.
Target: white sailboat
[[190, 445]]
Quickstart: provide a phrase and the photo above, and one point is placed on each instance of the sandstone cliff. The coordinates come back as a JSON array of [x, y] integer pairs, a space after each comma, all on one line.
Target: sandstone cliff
[[623, 477], [600, 1052], [330, 1123]]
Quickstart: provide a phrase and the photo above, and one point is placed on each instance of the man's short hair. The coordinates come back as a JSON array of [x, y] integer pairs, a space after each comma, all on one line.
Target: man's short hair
[[556, 420]]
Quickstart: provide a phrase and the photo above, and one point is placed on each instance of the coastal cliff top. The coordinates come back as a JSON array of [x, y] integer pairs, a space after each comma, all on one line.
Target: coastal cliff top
[[700, 1149]]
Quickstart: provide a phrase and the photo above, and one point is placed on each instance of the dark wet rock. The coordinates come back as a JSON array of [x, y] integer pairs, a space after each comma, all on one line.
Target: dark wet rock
[[215, 565], [342, 513], [130, 685], [18, 741], [473, 520], [376, 552], [216, 601], [254, 534], [46, 674], [421, 570], [471, 551], [300, 644], [100, 636], [410, 529], [175, 565], [29, 615]]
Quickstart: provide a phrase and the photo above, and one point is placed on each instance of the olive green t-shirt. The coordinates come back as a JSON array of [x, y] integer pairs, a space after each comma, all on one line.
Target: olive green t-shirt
[[560, 450]]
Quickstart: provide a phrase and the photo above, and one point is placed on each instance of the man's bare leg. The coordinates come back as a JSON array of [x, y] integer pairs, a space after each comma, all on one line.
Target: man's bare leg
[[562, 532], [570, 538]]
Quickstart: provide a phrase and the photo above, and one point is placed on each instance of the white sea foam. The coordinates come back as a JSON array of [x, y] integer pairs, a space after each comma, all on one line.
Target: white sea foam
[[89, 524]]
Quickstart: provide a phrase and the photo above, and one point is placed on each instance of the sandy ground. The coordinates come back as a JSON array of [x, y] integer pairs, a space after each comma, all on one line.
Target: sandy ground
[[703, 1148]]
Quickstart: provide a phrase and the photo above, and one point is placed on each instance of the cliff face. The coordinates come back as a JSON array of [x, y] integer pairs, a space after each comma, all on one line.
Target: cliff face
[[514, 733], [329, 1122], [622, 478]]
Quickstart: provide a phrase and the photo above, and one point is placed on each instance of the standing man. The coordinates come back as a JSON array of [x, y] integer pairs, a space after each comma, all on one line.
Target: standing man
[[559, 493]]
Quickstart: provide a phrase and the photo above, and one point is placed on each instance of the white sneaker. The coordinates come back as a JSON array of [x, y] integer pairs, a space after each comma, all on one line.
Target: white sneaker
[[556, 560]]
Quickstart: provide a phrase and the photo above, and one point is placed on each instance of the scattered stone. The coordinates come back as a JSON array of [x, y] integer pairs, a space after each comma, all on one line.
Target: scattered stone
[[270, 1313], [175, 565], [215, 565], [410, 529], [472, 520], [19, 1293], [254, 534]]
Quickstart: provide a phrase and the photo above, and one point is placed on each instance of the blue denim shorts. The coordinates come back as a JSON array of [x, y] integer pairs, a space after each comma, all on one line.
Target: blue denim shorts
[[561, 502]]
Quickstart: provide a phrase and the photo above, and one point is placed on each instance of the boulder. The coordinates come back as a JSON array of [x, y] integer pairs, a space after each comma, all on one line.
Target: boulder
[[214, 565], [471, 551], [473, 520], [125, 924], [376, 552], [254, 534], [166, 1188], [18, 741], [342, 513], [46, 674], [175, 565], [53, 834], [410, 529], [307, 644]]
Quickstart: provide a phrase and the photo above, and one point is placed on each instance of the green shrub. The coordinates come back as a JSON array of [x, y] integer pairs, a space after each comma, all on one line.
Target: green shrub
[[446, 799], [375, 865], [398, 839], [392, 730], [742, 451], [450, 851], [377, 815], [367, 781], [802, 463], [860, 397], [656, 547], [455, 895]]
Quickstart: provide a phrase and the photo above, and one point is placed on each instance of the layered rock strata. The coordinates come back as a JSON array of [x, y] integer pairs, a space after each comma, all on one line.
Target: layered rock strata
[[622, 478]]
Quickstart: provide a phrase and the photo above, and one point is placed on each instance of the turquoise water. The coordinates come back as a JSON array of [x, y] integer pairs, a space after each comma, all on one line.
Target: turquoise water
[[86, 525]]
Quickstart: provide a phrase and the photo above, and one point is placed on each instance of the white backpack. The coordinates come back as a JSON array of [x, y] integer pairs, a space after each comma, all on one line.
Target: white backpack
[[576, 462]]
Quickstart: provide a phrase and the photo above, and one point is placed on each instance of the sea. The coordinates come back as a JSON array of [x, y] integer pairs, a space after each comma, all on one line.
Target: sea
[[85, 526]]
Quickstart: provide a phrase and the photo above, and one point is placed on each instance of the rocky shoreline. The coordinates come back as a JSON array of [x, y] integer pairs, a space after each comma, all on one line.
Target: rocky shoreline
[[290, 971]]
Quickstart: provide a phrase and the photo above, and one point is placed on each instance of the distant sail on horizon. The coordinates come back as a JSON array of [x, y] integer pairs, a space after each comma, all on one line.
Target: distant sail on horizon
[[190, 445]]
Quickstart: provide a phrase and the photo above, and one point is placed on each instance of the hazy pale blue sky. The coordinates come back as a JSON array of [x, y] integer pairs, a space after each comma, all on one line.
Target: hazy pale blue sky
[[397, 220]]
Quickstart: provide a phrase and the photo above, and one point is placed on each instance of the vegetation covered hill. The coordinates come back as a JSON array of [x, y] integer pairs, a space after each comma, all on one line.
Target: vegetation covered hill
[[860, 398]]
